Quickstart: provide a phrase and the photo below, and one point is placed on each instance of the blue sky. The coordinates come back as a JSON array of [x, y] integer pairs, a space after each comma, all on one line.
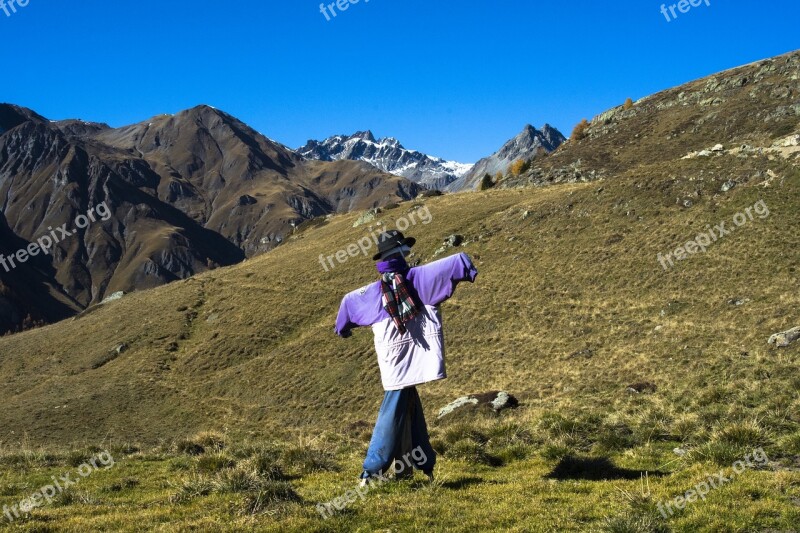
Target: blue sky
[[454, 79]]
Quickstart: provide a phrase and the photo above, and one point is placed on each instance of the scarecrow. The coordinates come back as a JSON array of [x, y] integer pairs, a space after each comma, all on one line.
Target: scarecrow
[[402, 308]]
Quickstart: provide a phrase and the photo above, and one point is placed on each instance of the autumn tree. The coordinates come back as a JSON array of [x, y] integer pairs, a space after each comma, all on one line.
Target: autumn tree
[[517, 167], [628, 104], [580, 130]]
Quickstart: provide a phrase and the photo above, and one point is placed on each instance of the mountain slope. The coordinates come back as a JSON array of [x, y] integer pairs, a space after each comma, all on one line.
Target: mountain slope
[[28, 297], [559, 270], [235, 181], [571, 306], [746, 109], [185, 193], [388, 155], [529, 143]]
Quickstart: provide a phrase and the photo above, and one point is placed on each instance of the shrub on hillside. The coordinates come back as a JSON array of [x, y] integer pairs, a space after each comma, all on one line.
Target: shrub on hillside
[[215, 462], [686, 427], [634, 523], [306, 460], [731, 443], [268, 496], [491, 443], [201, 443], [258, 479], [470, 451], [791, 444], [519, 167], [265, 464], [580, 131], [487, 182], [463, 430]]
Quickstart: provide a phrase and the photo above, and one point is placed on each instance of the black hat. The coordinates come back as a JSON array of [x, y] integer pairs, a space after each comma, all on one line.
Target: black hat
[[392, 239]]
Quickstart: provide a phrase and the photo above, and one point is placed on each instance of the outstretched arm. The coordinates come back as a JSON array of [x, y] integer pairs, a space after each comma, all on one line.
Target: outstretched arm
[[436, 282], [359, 308], [343, 323]]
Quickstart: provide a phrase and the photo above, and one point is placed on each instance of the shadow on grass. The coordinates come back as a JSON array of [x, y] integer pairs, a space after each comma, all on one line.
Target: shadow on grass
[[462, 483], [594, 469]]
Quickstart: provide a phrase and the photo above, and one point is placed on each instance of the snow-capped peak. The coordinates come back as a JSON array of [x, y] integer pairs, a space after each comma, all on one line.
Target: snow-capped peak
[[388, 155]]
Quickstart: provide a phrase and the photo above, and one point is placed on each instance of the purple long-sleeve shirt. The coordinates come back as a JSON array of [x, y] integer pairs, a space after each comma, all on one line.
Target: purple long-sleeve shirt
[[417, 356]]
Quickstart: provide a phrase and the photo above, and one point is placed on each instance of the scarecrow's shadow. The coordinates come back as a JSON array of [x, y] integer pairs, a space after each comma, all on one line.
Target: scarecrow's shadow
[[594, 469], [462, 483]]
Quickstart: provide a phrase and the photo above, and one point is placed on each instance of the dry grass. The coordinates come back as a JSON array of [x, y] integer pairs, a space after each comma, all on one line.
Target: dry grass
[[571, 307], [562, 315]]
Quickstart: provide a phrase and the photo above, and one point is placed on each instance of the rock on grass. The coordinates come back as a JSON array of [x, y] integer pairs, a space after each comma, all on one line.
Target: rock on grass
[[785, 338], [494, 400]]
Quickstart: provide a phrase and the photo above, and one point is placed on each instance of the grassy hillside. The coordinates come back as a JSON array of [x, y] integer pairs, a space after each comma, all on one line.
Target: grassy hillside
[[745, 109], [563, 271], [571, 307]]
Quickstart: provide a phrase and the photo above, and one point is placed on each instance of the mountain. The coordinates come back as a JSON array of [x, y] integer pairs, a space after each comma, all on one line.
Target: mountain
[[530, 143], [184, 193], [388, 155], [571, 305], [29, 296], [750, 111]]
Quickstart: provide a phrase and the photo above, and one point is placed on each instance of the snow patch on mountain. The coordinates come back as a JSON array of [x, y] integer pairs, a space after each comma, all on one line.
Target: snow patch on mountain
[[388, 155]]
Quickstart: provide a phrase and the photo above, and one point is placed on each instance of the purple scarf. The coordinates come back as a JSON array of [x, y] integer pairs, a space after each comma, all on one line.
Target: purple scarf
[[398, 265]]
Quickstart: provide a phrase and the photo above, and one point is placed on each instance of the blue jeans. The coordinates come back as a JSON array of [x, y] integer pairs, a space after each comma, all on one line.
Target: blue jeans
[[400, 435]]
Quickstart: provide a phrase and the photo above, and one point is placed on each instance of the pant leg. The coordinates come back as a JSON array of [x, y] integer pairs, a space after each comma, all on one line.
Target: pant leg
[[388, 430], [402, 454], [423, 456]]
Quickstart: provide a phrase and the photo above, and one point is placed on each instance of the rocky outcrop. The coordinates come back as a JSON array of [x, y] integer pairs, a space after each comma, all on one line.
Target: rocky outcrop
[[528, 144], [727, 114], [785, 338], [452, 241], [366, 217], [494, 401]]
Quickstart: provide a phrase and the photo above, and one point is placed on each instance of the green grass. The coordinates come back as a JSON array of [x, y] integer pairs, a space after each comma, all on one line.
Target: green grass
[[249, 486], [568, 346], [570, 309]]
